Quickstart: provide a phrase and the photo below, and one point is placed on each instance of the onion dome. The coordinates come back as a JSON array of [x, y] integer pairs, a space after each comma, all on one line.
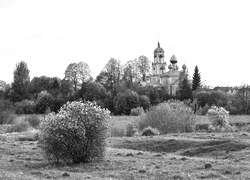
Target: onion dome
[[159, 51], [162, 68], [173, 59], [184, 67], [170, 66]]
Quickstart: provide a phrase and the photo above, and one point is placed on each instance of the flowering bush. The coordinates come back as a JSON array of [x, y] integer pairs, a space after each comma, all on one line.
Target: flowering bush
[[219, 118], [76, 133], [170, 117]]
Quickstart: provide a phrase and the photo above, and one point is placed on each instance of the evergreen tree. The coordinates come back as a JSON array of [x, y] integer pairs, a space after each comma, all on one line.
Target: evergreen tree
[[196, 79], [20, 86]]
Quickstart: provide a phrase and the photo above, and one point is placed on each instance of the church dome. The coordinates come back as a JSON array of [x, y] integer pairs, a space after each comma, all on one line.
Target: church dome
[[170, 66], [159, 51], [173, 59]]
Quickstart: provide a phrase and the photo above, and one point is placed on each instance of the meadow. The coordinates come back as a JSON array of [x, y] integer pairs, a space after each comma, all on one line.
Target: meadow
[[198, 155]]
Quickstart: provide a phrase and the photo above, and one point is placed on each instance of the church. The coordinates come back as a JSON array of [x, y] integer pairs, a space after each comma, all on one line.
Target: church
[[160, 76]]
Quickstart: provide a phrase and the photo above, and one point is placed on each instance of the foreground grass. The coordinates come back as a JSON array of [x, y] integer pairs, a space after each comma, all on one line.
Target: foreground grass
[[173, 156]]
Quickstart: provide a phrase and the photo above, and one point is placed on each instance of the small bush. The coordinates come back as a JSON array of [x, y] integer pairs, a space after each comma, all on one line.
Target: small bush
[[25, 107], [170, 117], [18, 127], [131, 130], [202, 127], [76, 134], [149, 131], [219, 118], [137, 111], [33, 120]]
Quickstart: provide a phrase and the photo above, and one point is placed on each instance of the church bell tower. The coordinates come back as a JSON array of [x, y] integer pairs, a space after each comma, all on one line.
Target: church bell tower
[[159, 65]]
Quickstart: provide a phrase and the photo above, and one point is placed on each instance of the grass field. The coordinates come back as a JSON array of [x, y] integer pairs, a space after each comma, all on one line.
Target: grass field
[[174, 156]]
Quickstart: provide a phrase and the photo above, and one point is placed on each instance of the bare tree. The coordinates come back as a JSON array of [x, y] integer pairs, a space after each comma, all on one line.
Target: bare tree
[[77, 73]]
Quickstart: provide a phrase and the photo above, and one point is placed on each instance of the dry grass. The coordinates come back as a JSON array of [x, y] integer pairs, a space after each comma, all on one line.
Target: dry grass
[[122, 121], [173, 156], [24, 159]]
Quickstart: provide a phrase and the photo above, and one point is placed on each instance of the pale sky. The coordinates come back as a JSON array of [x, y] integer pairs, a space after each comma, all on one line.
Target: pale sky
[[50, 34]]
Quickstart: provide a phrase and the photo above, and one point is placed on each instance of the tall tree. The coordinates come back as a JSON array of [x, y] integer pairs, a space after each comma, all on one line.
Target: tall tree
[[131, 73], [196, 79], [144, 66], [20, 86], [110, 76], [77, 73]]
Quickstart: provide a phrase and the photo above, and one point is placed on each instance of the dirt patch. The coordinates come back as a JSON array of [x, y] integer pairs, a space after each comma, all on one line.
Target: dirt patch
[[183, 146], [216, 146]]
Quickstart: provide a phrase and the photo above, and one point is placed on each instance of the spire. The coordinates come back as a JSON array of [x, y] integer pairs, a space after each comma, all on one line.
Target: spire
[[158, 45]]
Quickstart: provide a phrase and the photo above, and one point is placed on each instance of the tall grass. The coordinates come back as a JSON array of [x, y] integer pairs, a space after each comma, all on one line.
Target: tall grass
[[170, 117], [18, 127], [6, 117]]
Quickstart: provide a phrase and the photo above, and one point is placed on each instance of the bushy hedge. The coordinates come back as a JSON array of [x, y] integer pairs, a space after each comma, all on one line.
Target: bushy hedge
[[169, 117], [76, 133]]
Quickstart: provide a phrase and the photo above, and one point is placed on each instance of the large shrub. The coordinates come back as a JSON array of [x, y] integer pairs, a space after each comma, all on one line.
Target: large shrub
[[169, 117], [76, 134]]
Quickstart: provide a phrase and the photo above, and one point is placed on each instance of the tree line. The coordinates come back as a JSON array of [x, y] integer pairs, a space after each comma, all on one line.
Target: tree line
[[117, 87]]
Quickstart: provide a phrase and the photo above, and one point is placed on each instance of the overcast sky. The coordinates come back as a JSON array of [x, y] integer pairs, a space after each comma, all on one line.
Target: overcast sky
[[50, 34]]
